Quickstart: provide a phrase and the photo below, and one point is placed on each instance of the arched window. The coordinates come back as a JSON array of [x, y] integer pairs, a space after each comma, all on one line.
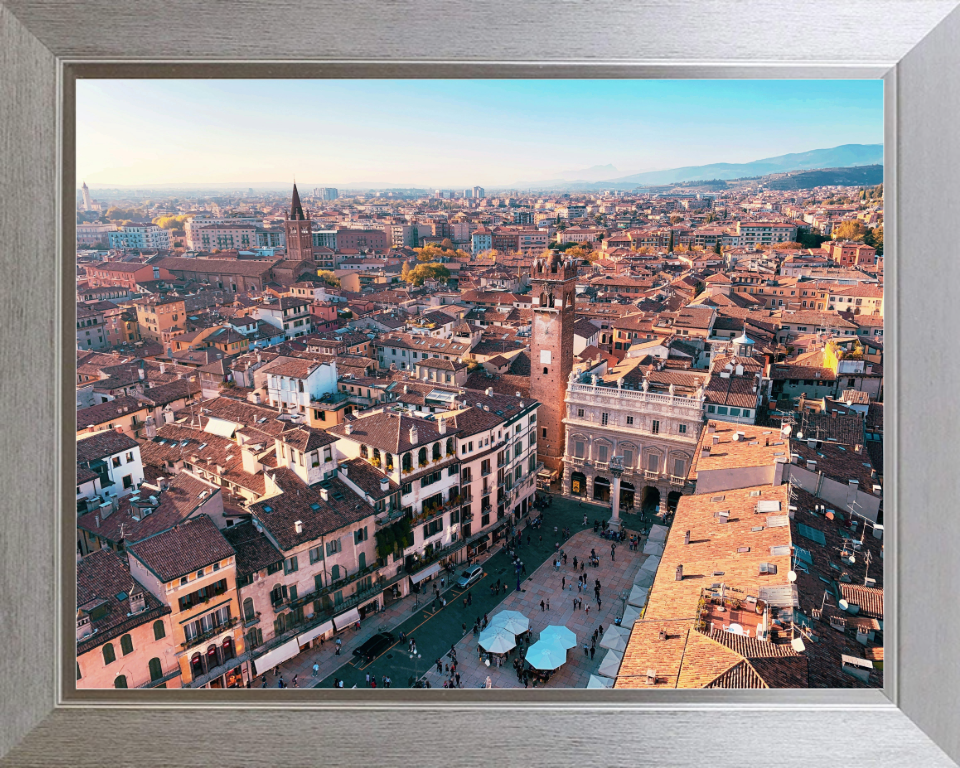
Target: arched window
[[376, 455], [436, 451], [543, 299], [362, 560], [227, 649], [159, 631], [364, 452], [334, 572], [156, 671], [450, 450], [389, 462], [248, 612], [126, 644], [108, 654], [407, 462], [422, 456], [120, 681]]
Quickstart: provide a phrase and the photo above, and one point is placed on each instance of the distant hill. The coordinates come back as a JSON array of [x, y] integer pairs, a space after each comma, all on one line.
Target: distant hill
[[836, 157], [863, 175]]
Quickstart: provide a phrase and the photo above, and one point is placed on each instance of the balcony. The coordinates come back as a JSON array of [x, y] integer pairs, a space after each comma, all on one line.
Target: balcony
[[679, 482], [650, 475], [252, 620], [435, 554], [576, 461], [210, 633], [433, 511], [389, 517]]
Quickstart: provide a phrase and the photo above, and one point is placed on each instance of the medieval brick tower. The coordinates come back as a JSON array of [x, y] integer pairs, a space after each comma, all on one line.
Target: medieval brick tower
[[554, 284], [298, 226]]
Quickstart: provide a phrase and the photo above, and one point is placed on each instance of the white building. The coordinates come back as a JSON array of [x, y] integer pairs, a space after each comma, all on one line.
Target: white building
[[292, 383], [653, 426], [290, 314], [139, 236]]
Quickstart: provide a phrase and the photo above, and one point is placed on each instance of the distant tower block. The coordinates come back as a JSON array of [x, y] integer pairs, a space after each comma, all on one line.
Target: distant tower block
[[298, 231], [87, 205], [554, 284]]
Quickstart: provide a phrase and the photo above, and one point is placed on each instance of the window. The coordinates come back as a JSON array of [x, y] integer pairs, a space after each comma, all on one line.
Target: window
[[159, 632], [722, 410], [629, 420], [360, 535], [578, 449], [334, 572], [120, 681], [274, 568], [544, 433], [601, 453], [156, 671], [679, 467], [653, 463], [333, 547], [126, 644], [628, 458], [316, 554], [579, 413], [604, 418], [108, 654]]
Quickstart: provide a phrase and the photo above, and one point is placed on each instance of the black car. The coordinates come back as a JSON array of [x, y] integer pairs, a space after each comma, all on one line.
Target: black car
[[375, 646]]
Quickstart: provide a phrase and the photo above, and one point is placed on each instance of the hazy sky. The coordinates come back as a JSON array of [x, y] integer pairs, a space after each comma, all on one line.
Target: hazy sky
[[451, 133]]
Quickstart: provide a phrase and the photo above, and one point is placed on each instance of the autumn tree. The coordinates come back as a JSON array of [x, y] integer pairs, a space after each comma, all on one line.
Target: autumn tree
[[423, 272], [850, 230], [675, 219], [329, 278], [874, 238]]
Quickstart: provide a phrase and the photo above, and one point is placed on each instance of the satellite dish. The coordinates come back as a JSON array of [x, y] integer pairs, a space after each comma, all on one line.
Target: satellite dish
[[797, 645], [843, 605], [792, 576], [787, 429], [799, 435]]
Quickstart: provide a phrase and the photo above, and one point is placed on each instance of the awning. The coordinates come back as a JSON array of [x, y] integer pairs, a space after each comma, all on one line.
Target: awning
[[472, 542], [306, 637], [425, 573], [278, 655], [346, 619]]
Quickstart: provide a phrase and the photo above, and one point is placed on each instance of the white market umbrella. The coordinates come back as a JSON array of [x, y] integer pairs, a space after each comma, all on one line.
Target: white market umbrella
[[610, 666], [651, 564], [545, 655], [638, 596], [596, 681], [512, 621], [630, 617], [644, 579], [561, 636], [658, 533], [652, 547], [497, 640], [615, 638]]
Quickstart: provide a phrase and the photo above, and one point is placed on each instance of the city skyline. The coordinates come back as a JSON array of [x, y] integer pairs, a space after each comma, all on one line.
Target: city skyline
[[452, 134]]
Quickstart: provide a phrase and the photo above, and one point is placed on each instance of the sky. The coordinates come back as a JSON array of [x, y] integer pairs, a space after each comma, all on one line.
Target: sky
[[451, 133]]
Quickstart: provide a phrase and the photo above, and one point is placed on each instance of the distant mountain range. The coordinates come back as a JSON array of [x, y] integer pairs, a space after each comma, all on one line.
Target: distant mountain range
[[843, 156]]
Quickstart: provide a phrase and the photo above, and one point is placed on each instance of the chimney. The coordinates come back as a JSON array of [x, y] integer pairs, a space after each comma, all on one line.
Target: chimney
[[705, 452], [686, 537], [711, 427], [256, 398], [384, 485], [794, 458], [348, 428], [811, 465], [137, 601], [162, 483], [663, 634], [325, 494], [488, 392], [83, 625], [812, 444], [344, 470], [857, 448], [716, 439], [163, 367], [298, 526], [413, 435], [652, 673], [140, 372], [877, 489], [679, 575]]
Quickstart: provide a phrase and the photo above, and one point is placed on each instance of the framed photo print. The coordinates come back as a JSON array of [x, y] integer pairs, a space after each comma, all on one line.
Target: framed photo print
[[567, 389]]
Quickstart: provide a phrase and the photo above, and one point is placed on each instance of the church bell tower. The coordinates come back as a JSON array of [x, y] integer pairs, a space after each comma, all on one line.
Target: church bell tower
[[298, 231]]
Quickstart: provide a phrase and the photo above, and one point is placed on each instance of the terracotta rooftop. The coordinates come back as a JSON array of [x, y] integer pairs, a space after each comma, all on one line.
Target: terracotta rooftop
[[183, 549]]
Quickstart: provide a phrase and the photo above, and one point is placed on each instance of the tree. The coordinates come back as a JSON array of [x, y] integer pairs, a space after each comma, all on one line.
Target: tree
[[446, 244], [404, 271], [874, 238], [808, 239], [423, 272], [716, 248], [329, 278], [850, 230], [675, 219], [170, 222]]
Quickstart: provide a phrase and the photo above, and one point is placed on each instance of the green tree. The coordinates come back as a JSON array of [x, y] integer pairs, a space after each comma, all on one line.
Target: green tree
[[716, 248], [874, 238]]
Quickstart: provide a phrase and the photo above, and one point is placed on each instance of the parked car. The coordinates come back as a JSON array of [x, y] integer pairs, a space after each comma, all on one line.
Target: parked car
[[469, 576], [374, 646]]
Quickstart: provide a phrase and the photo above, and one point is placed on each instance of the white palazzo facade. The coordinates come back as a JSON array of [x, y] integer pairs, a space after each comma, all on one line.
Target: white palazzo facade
[[655, 433]]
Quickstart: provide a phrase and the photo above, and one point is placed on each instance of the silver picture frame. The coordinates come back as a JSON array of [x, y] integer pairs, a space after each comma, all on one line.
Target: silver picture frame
[[913, 45]]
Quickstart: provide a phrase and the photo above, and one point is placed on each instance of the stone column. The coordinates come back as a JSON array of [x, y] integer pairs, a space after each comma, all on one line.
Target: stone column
[[616, 469]]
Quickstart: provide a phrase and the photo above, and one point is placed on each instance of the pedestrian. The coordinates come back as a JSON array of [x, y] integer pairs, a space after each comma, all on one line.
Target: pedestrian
[[564, 559], [599, 603], [574, 603], [586, 649], [464, 603], [338, 650], [563, 583], [548, 603], [588, 609], [574, 562], [523, 569], [368, 679], [281, 684], [276, 670], [336, 682], [469, 598], [264, 682], [296, 684], [599, 630], [528, 539], [458, 679], [541, 606], [613, 552], [316, 669], [383, 681], [585, 523], [593, 650], [439, 667]]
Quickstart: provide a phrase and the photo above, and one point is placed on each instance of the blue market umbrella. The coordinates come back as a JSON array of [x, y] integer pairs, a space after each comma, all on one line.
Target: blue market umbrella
[[561, 636], [545, 655]]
